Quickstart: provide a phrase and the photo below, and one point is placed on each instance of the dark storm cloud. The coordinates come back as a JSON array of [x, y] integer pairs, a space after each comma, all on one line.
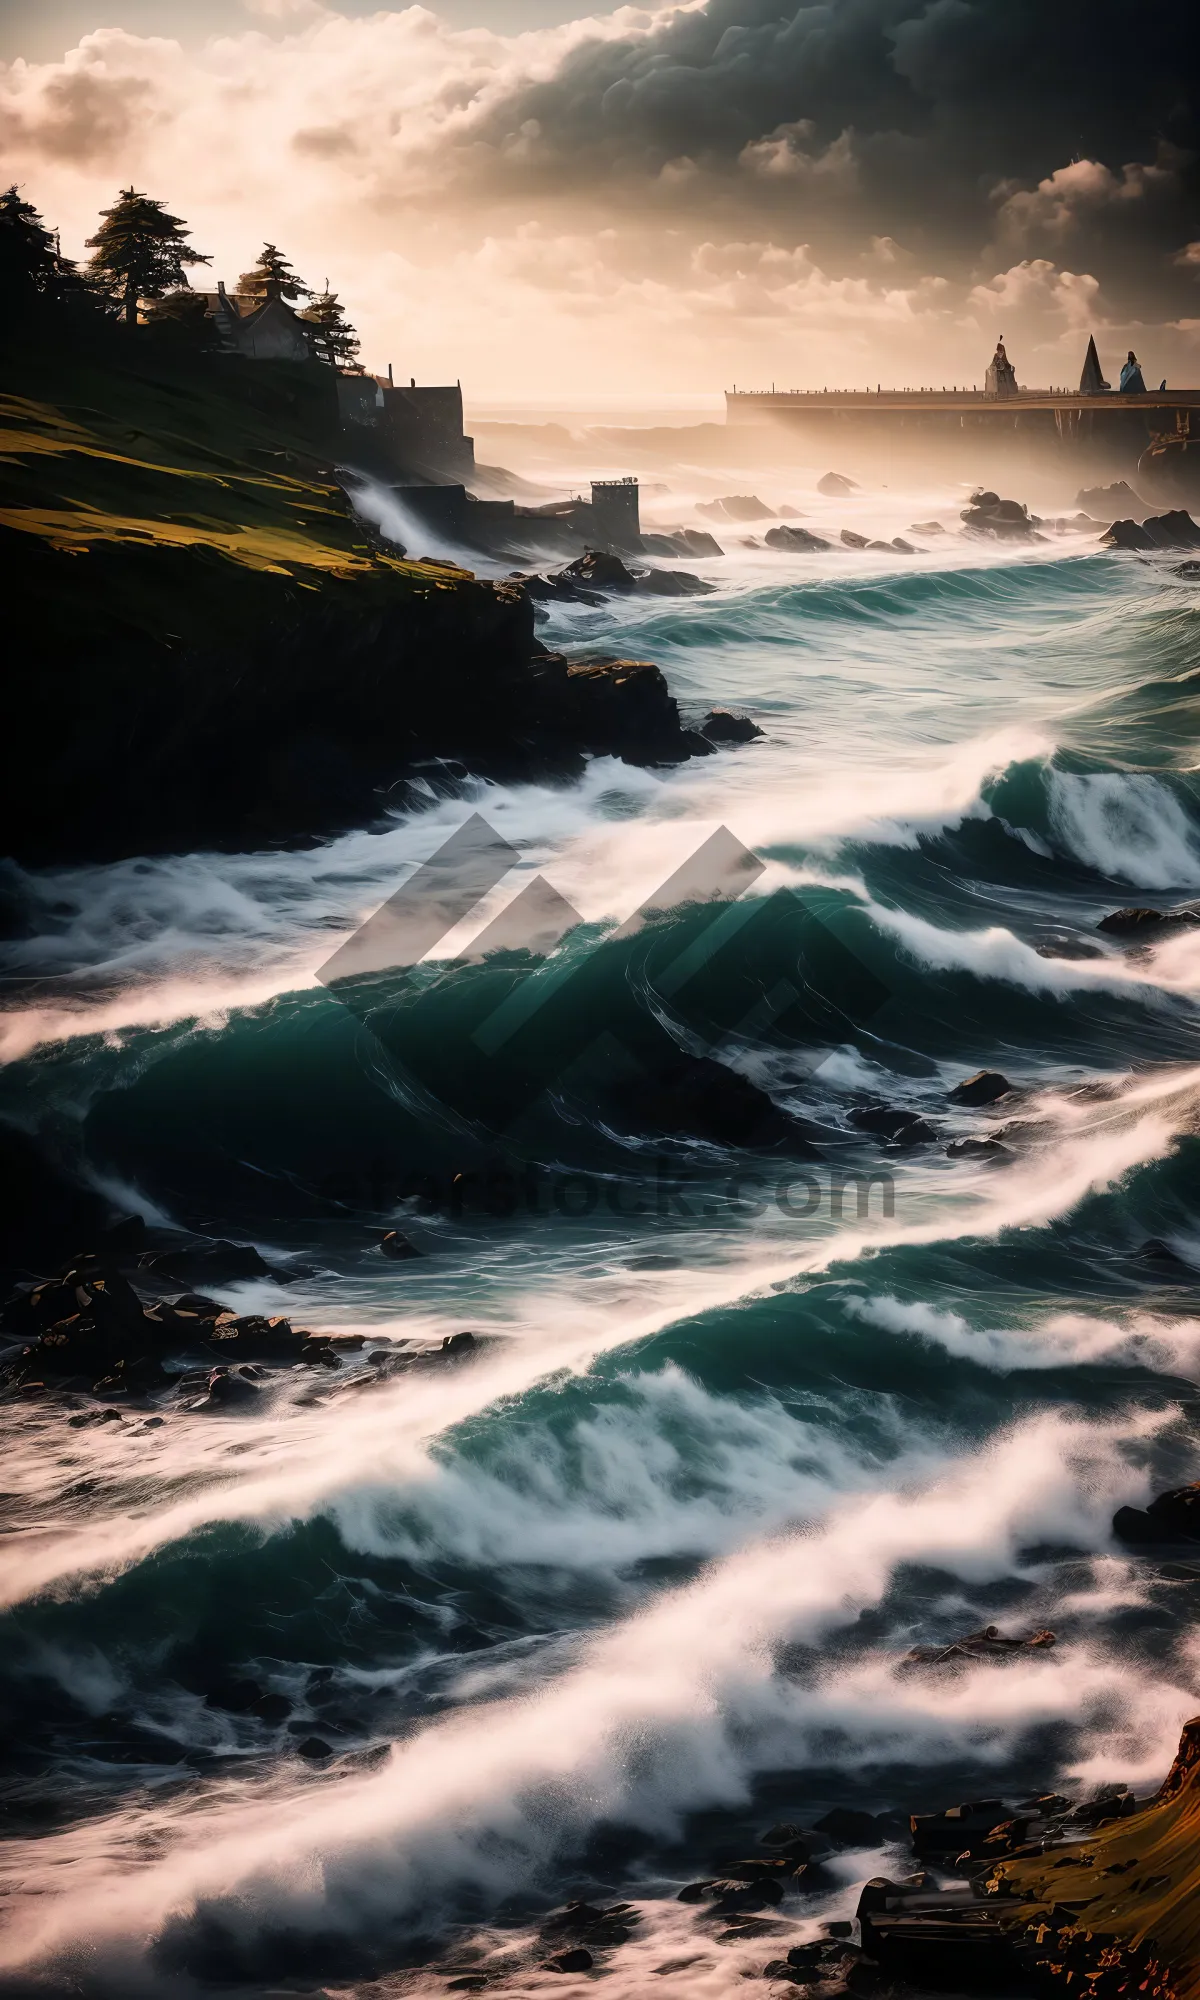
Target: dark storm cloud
[[942, 114]]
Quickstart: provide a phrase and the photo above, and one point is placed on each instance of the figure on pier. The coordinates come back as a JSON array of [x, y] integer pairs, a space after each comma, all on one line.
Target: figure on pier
[[1131, 377], [1001, 377]]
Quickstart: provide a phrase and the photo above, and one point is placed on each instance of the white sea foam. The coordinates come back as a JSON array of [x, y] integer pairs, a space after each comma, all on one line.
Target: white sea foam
[[667, 1711]]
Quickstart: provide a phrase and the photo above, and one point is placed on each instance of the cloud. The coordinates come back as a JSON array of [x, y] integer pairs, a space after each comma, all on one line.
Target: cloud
[[678, 192]]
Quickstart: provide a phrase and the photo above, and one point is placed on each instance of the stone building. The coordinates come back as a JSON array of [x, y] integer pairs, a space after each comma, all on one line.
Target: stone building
[[267, 332]]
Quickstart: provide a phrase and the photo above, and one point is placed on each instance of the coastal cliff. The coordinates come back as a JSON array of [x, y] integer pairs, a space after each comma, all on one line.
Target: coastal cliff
[[212, 650]]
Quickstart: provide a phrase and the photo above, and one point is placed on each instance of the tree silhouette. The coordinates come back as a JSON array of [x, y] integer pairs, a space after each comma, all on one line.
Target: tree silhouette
[[272, 270], [140, 252], [31, 264], [336, 341]]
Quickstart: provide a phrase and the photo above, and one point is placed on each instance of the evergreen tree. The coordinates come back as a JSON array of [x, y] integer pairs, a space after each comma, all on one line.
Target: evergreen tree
[[140, 252], [335, 338], [272, 269], [31, 264]]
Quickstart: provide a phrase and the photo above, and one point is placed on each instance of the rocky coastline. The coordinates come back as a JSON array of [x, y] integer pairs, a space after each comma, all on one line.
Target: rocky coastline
[[216, 652]]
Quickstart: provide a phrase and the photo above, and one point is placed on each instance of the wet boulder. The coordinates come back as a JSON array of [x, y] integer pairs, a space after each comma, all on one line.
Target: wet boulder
[[1175, 530], [987, 1086], [212, 1263], [988, 1644], [398, 1247], [736, 507], [1003, 520], [577, 1959], [899, 1128], [1172, 1517], [905, 548], [798, 540], [671, 583], [977, 1149], [598, 570], [1139, 922], [722, 726], [853, 541], [939, 1837]]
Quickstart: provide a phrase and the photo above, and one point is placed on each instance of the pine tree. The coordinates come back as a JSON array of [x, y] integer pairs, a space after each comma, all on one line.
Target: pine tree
[[31, 264], [335, 338], [140, 252], [272, 269]]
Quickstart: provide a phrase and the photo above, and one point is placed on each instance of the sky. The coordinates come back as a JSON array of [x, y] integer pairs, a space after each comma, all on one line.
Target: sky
[[659, 201]]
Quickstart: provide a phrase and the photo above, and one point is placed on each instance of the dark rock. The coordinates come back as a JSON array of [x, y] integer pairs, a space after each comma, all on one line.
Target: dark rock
[[736, 507], [578, 1959], [1175, 530], [215, 1263], [598, 570], [848, 1827], [1006, 520], [838, 1929], [944, 1835], [836, 486], [1171, 1517], [730, 1895], [577, 1916], [1127, 535], [694, 1892], [880, 547], [800, 539], [854, 541], [225, 1390], [1111, 501], [905, 548], [901, 1128], [459, 1343], [1191, 570], [977, 1149], [987, 1086], [1136, 922], [313, 1748], [683, 542], [720, 725], [671, 583], [397, 1246], [928, 528], [783, 1834], [989, 1644]]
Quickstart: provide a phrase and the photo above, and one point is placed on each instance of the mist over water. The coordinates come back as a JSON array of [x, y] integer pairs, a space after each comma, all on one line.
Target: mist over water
[[582, 1614]]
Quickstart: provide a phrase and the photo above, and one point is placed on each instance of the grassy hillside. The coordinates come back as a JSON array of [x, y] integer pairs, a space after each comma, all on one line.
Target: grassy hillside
[[229, 457]]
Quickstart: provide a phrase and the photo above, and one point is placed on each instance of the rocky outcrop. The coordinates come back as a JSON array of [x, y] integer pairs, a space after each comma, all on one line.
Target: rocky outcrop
[[836, 486], [1171, 1517], [1175, 530], [721, 726], [987, 1086], [1003, 520], [1109, 502], [736, 507], [694, 542], [1139, 922], [795, 539]]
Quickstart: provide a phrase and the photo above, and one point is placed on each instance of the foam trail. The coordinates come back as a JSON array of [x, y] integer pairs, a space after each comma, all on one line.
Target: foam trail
[[667, 1711], [385, 1438]]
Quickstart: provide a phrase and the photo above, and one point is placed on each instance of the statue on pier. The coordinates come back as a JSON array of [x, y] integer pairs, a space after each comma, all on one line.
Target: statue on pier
[[1001, 377], [1092, 382], [1131, 377]]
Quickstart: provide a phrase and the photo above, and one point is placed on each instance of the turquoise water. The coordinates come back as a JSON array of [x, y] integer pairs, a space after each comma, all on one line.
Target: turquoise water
[[582, 1614]]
